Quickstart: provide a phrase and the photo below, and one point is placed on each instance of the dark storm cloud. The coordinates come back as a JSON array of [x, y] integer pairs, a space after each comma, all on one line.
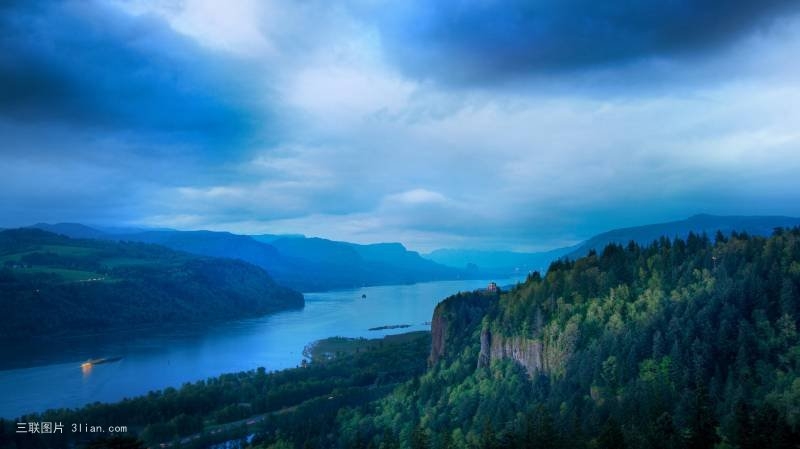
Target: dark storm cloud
[[490, 40], [296, 117], [86, 65]]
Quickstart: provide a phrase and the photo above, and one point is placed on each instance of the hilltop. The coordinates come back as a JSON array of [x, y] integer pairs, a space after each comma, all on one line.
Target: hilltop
[[52, 284]]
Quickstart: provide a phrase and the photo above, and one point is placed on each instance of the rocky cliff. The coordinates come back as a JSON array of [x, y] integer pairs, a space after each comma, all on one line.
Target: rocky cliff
[[460, 322], [525, 351], [456, 322], [438, 326]]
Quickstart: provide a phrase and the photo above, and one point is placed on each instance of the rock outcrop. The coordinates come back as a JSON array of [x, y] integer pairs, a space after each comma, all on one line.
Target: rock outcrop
[[438, 326], [456, 322], [525, 351]]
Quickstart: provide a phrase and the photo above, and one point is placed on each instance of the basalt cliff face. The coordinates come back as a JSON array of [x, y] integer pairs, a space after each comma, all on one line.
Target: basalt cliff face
[[460, 321], [438, 331], [457, 321], [525, 351]]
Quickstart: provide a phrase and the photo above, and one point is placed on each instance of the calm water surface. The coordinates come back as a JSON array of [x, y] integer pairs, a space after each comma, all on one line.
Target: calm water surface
[[44, 374]]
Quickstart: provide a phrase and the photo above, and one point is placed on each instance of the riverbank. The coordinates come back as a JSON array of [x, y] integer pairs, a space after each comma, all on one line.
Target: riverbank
[[234, 405], [40, 375], [336, 347]]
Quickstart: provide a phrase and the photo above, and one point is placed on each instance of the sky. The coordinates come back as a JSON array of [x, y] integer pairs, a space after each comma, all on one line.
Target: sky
[[488, 124]]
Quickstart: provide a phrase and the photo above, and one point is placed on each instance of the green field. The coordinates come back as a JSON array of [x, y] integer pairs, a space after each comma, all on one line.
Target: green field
[[76, 261], [114, 262], [65, 274]]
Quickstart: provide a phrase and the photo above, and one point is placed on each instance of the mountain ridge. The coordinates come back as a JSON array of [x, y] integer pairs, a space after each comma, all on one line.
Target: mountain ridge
[[306, 264], [511, 262], [761, 225]]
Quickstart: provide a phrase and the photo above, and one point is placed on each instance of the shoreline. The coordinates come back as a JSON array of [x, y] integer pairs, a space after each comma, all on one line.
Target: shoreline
[[348, 346]]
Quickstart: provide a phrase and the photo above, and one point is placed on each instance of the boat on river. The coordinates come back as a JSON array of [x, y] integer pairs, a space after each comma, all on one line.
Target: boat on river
[[100, 361]]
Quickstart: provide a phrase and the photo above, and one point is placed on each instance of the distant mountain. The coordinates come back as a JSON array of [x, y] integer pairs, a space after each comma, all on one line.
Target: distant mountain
[[497, 263], [269, 238], [306, 264], [74, 230], [299, 273], [78, 230], [316, 264], [341, 264], [53, 284], [319, 250], [396, 256], [216, 244], [698, 224]]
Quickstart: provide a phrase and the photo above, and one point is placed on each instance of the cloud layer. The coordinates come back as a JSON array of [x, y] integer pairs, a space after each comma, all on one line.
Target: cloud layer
[[492, 40], [508, 125], [88, 65]]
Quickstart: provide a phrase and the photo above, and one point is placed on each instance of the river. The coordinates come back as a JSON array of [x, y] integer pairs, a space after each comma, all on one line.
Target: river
[[41, 374]]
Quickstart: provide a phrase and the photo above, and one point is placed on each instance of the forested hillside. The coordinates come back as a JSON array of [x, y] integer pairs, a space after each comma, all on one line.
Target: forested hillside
[[51, 284], [681, 344]]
